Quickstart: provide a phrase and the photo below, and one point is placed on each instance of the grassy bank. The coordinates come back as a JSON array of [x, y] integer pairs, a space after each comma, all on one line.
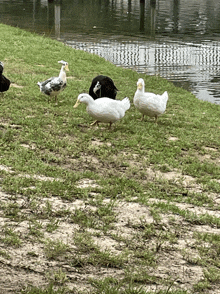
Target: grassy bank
[[133, 209]]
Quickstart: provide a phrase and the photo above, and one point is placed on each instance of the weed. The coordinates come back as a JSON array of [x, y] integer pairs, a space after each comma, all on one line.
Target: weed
[[50, 289], [11, 238], [55, 249], [4, 254], [57, 277], [52, 225]]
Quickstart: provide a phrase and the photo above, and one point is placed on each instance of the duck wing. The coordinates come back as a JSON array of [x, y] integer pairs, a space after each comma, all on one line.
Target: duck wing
[[4, 83], [108, 110], [155, 103], [54, 84]]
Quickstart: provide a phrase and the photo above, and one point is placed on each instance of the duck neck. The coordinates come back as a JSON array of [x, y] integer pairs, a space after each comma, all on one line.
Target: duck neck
[[90, 99], [62, 74], [143, 89]]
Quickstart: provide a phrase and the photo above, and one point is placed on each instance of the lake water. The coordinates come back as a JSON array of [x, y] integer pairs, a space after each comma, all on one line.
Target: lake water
[[176, 39]]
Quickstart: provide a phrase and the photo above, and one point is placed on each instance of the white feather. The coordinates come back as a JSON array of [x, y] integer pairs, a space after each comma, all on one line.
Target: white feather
[[149, 104], [104, 109]]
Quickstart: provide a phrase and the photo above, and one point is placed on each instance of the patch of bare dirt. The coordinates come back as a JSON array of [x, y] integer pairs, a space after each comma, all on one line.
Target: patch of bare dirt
[[36, 177], [16, 86], [27, 263]]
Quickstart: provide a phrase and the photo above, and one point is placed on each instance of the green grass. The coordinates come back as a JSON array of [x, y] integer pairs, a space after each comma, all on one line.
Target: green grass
[[97, 210]]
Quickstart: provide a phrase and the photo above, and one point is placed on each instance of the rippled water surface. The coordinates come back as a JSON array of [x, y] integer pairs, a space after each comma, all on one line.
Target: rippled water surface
[[176, 39]]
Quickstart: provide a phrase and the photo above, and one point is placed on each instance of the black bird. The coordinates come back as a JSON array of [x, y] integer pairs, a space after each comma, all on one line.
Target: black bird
[[4, 82], [102, 86]]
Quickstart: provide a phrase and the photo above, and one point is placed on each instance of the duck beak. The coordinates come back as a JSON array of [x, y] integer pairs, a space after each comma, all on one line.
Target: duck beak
[[77, 103], [139, 86], [67, 68]]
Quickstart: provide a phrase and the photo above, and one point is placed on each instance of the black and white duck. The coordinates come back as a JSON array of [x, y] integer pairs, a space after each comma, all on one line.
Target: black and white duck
[[54, 85], [102, 86], [4, 82]]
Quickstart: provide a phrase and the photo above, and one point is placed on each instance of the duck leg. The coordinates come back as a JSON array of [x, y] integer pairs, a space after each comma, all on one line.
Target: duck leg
[[96, 122], [142, 119]]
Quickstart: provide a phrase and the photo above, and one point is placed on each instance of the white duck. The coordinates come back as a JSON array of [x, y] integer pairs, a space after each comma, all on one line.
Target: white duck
[[54, 85], [104, 109], [148, 103]]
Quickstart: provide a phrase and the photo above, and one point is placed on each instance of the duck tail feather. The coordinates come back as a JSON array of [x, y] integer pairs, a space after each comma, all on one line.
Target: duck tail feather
[[126, 103], [165, 95]]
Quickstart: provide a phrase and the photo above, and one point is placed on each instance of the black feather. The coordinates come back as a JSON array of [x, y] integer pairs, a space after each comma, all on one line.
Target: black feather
[[4, 82], [52, 85], [107, 87]]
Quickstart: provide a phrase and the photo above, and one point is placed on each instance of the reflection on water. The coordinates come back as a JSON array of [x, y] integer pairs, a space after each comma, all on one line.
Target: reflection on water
[[176, 39], [191, 66], [57, 20]]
